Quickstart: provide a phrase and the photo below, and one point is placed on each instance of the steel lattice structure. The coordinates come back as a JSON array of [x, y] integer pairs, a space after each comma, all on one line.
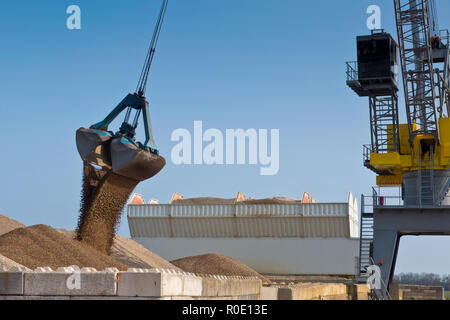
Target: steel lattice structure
[[425, 89], [384, 123]]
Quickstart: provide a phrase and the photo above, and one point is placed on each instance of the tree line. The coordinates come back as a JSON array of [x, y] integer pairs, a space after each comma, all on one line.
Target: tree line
[[424, 279]]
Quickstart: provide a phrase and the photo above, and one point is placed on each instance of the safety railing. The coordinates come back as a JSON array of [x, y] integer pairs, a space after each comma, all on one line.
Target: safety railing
[[352, 71], [377, 199], [366, 205], [367, 150]]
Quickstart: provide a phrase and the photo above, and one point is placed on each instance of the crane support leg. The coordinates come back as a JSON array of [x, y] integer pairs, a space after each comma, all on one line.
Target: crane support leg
[[391, 223], [385, 249]]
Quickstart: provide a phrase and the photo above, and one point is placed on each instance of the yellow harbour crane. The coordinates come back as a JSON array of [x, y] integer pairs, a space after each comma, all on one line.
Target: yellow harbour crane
[[413, 155]]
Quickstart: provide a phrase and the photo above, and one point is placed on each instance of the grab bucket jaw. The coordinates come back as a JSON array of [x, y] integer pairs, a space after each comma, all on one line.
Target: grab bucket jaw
[[117, 154], [93, 146], [132, 162]]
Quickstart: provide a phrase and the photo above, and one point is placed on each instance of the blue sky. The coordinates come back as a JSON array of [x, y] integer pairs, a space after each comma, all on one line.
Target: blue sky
[[231, 64]]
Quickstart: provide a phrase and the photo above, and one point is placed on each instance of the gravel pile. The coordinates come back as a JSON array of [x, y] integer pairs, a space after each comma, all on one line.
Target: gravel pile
[[6, 263], [132, 254], [216, 264], [42, 246], [210, 200], [103, 197], [200, 201], [8, 224], [276, 200]]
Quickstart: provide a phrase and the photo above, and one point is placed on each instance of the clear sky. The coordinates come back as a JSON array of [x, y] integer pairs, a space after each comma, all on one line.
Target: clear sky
[[264, 64]]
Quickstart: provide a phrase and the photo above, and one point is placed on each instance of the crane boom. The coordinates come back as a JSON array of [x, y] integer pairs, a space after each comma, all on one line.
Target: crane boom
[[120, 151], [416, 25], [143, 79]]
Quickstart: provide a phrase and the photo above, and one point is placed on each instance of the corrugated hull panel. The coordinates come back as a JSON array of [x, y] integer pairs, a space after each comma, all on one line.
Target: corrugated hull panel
[[154, 226], [201, 211], [276, 210], [254, 227], [241, 210], [202, 227], [329, 227], [328, 220], [325, 210], [295, 227], [146, 211]]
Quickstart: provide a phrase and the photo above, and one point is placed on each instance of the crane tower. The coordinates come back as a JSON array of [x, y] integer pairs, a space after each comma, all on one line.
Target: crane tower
[[414, 156]]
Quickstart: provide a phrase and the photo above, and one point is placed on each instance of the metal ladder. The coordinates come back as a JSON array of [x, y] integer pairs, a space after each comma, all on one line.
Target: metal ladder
[[426, 179], [366, 240]]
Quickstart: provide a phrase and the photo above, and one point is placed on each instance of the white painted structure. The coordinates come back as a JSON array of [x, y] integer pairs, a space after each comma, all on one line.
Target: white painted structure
[[291, 238]]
